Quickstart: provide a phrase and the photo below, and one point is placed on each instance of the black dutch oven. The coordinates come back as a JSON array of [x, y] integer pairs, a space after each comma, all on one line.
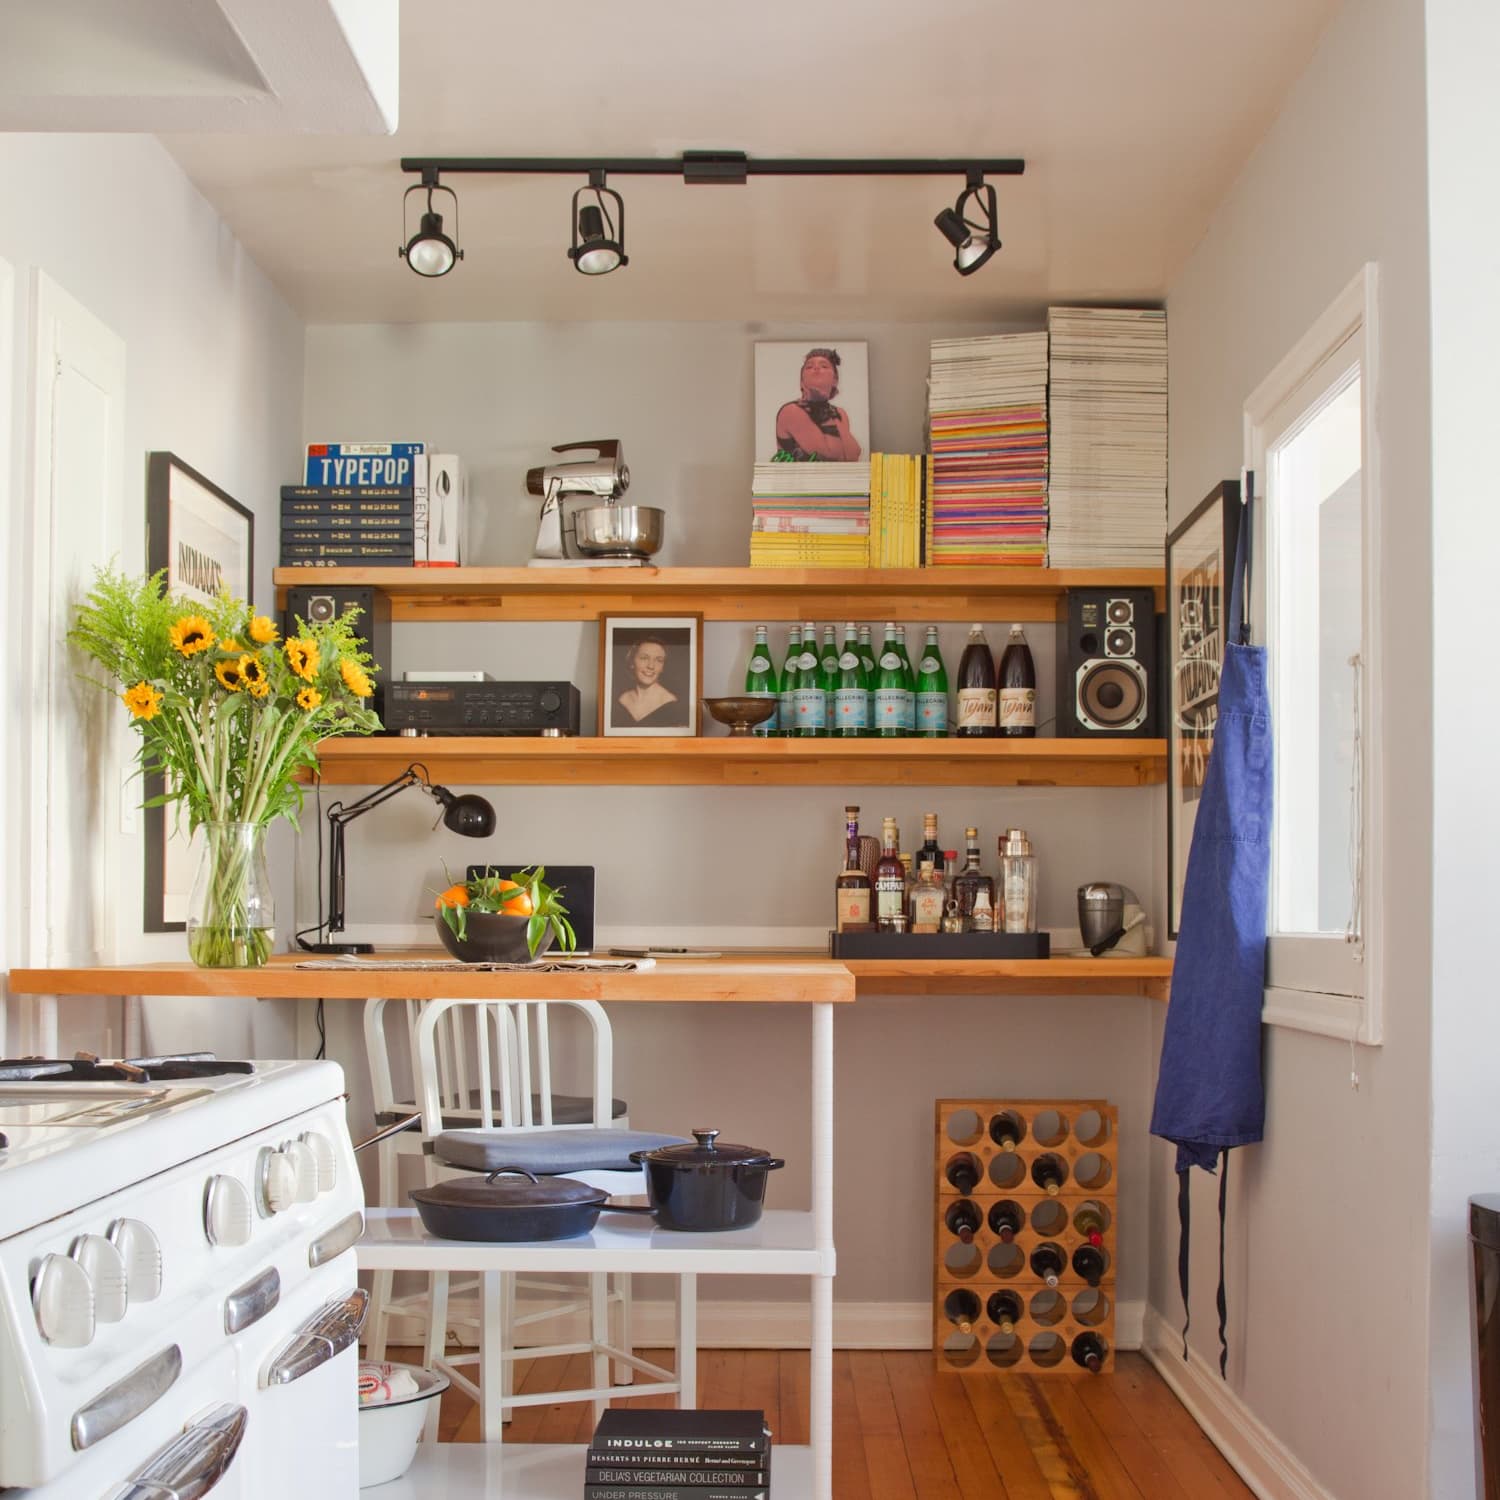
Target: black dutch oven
[[502, 1208], [706, 1186]]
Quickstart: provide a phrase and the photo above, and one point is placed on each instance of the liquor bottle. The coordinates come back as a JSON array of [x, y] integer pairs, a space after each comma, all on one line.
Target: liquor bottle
[[962, 1219], [890, 881], [963, 1171], [932, 689], [971, 879], [786, 709], [890, 688], [1047, 1262], [1091, 1223], [1090, 1350], [930, 849], [907, 881], [1017, 882], [961, 1308], [807, 697], [828, 679], [1006, 1219], [1017, 687], [853, 892], [950, 871], [982, 914], [1003, 1310], [908, 684], [927, 899], [1090, 1262], [1049, 1171], [1007, 1129], [851, 696], [761, 680], [976, 686]]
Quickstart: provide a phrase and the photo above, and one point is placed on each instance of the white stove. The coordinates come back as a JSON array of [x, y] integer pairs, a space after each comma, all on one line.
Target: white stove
[[177, 1283]]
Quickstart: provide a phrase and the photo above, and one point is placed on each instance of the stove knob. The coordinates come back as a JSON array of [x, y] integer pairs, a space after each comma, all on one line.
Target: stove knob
[[226, 1212], [105, 1268], [304, 1169], [326, 1158], [63, 1302], [275, 1182], [141, 1252]]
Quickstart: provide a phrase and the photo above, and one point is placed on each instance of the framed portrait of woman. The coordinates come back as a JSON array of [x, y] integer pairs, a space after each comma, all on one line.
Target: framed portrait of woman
[[650, 675]]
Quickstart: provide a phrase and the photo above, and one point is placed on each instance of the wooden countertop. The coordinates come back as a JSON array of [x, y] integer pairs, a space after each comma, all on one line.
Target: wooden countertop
[[777, 978]]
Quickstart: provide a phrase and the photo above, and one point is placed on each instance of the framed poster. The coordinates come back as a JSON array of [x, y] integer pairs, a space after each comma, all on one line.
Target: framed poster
[[650, 674], [812, 401], [1200, 554], [205, 539]]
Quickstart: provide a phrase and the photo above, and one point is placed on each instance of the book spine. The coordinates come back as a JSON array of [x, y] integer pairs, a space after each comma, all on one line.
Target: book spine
[[401, 491], [687, 1478], [362, 536], [682, 1451], [403, 561], [669, 1492], [420, 506]]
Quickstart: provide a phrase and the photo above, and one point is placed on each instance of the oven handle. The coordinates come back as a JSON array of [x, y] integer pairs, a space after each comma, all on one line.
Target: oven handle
[[126, 1399], [331, 1330], [192, 1464]]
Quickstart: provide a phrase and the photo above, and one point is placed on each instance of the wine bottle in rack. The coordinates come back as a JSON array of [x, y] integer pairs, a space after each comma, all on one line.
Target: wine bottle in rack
[[1090, 1221], [1090, 1262], [1090, 1350], [1006, 1219], [1004, 1310], [962, 1219], [1047, 1262], [1049, 1171], [964, 1171], [961, 1308], [1007, 1129]]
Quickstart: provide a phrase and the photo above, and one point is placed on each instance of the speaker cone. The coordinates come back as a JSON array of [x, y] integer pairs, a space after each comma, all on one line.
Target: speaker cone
[[1119, 611], [1120, 641], [1111, 694]]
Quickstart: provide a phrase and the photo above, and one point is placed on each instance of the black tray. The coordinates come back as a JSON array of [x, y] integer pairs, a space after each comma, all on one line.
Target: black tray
[[939, 945]]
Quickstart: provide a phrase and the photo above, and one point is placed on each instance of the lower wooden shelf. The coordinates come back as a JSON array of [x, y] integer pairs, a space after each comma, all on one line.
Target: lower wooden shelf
[[1150, 977]]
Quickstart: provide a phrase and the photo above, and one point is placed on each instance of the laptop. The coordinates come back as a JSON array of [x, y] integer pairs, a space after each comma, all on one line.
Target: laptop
[[576, 882]]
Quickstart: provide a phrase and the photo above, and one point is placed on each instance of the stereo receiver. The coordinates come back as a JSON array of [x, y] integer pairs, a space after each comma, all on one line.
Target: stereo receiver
[[549, 708]]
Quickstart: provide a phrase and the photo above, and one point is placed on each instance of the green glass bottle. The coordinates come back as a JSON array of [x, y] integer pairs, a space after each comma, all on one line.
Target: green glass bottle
[[828, 679], [761, 680], [871, 671], [890, 690], [932, 690], [909, 685], [851, 698], [807, 700], [786, 712]]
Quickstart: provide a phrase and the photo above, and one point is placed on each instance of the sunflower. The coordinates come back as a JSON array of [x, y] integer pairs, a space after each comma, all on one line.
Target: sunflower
[[356, 679], [309, 698], [229, 646], [231, 679], [253, 671], [262, 631], [143, 701], [302, 657], [191, 634]]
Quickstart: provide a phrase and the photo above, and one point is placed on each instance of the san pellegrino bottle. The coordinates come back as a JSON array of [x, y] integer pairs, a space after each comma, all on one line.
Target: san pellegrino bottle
[[932, 689], [976, 686], [1090, 1350], [786, 712], [871, 670], [1017, 687], [807, 697], [851, 697], [908, 684], [761, 680], [1004, 1310], [890, 687], [828, 678]]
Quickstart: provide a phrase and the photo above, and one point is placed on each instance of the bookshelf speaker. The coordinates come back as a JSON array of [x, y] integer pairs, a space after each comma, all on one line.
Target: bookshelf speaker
[[316, 605], [1108, 680]]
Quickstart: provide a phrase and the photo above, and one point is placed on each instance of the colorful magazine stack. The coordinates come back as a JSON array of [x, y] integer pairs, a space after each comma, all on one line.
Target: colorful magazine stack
[[810, 515], [1108, 498], [640, 1454], [355, 510], [898, 510], [987, 433]]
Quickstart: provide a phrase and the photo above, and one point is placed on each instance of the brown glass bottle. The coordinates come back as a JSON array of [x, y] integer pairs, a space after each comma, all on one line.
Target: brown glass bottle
[[929, 849], [1004, 1310], [971, 879], [1007, 1129], [1090, 1351], [1091, 1263], [853, 890], [963, 1171], [962, 1219], [1006, 1219], [890, 879], [961, 1308], [1047, 1262], [977, 712], [1049, 1171], [1017, 688]]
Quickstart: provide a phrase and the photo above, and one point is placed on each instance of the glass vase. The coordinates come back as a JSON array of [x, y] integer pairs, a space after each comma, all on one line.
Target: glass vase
[[231, 917]]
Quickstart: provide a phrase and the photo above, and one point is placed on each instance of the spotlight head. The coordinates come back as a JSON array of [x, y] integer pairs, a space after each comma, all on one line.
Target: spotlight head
[[598, 245], [973, 243], [469, 814], [430, 252]]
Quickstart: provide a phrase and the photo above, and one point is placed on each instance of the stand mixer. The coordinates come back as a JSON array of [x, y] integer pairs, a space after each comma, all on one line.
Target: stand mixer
[[580, 524]]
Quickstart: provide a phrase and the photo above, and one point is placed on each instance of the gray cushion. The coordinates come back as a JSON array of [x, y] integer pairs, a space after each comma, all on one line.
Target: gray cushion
[[567, 1109], [548, 1152]]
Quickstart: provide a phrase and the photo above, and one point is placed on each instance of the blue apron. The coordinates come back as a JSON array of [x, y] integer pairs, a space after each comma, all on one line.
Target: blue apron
[[1209, 1092]]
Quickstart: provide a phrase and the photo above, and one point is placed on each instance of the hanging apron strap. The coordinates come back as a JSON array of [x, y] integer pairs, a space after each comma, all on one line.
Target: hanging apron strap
[[1184, 1259], [1223, 1304]]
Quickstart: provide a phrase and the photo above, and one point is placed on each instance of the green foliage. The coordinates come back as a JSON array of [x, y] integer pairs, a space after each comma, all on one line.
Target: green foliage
[[488, 894]]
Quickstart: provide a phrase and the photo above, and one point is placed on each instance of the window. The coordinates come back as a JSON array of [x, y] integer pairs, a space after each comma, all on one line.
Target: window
[[1309, 439]]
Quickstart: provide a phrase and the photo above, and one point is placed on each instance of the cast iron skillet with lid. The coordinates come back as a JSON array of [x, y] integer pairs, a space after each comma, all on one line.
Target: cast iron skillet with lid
[[500, 1207]]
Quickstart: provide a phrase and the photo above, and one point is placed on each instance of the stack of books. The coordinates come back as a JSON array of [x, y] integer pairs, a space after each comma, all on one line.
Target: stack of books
[[898, 510], [356, 509], [810, 515], [670, 1455], [987, 433], [1108, 498]]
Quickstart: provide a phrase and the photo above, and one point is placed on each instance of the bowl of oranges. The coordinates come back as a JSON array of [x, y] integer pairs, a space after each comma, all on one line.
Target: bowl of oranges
[[497, 920]]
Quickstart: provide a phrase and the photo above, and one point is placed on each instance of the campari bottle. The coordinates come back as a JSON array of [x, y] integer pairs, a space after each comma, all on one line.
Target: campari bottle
[[761, 680], [932, 689], [976, 686], [1017, 688]]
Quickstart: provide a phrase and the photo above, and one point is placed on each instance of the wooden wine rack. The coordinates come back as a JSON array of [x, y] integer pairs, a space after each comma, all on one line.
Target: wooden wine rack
[[997, 1266]]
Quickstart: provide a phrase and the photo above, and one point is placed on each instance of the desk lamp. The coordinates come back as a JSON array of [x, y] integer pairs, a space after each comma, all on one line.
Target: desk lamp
[[468, 814]]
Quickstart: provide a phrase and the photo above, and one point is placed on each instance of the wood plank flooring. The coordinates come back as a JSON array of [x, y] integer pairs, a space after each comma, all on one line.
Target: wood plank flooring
[[903, 1431]]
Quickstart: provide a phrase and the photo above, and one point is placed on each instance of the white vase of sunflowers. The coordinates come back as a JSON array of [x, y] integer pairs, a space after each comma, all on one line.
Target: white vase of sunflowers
[[230, 714]]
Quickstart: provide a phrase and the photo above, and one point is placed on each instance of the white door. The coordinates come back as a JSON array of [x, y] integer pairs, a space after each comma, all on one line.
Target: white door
[[77, 743]]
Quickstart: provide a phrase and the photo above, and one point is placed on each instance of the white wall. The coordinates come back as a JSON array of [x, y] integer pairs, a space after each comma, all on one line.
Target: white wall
[[214, 373], [1328, 1245]]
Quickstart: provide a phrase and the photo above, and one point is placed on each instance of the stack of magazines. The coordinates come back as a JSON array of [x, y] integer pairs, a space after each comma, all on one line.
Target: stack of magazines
[[670, 1455], [810, 515]]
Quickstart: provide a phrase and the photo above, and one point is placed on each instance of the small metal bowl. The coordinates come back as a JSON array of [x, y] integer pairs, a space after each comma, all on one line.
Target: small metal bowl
[[618, 530], [741, 714]]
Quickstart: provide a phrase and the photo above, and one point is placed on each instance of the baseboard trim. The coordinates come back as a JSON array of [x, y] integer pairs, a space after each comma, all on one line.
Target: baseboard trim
[[1253, 1450]]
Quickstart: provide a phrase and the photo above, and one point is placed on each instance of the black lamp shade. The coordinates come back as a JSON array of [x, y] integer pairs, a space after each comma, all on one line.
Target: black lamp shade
[[598, 237], [430, 252], [469, 814]]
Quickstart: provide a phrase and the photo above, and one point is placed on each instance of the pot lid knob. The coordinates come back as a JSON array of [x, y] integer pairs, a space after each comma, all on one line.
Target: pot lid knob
[[706, 1138]]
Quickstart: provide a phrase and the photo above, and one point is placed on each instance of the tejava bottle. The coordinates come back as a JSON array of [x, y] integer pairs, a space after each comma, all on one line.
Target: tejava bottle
[[1047, 1261], [962, 1219], [1004, 1310], [761, 680], [976, 687], [1017, 689]]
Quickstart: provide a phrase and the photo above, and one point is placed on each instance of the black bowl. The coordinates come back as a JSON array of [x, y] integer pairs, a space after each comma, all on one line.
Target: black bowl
[[493, 938]]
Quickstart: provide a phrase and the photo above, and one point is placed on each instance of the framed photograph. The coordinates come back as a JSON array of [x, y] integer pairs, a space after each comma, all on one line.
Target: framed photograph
[[1200, 554], [812, 401], [205, 539], [650, 674]]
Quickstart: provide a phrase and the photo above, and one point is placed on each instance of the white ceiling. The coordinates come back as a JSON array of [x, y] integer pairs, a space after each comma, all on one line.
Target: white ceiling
[[1133, 118]]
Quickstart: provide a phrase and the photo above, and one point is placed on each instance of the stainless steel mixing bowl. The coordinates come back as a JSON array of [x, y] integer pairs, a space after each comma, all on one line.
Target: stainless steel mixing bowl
[[618, 530]]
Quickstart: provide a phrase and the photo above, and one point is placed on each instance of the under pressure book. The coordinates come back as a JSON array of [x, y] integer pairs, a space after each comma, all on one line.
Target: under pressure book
[[361, 463], [669, 1492], [623, 1430]]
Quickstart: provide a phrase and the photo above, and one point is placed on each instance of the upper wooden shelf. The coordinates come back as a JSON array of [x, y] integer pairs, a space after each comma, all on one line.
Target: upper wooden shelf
[[740, 594]]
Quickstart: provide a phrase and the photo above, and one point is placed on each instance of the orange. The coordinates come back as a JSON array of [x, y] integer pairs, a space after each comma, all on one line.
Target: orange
[[455, 895], [517, 906]]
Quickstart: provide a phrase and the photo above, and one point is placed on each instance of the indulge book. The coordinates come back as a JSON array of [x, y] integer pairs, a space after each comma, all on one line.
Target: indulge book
[[623, 1434]]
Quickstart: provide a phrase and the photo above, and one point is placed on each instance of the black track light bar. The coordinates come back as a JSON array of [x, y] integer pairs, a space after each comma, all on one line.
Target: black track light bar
[[717, 166]]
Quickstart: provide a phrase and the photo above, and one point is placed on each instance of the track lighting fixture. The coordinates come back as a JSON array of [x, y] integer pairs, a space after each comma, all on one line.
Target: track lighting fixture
[[430, 252], [598, 237], [598, 230], [973, 243]]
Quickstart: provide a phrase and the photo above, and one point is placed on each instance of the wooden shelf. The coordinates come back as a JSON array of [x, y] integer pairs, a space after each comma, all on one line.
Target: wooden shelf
[[738, 594], [1150, 977], [726, 761]]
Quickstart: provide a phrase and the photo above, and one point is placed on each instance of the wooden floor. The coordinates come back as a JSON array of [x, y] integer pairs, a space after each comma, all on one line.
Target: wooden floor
[[904, 1432]]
